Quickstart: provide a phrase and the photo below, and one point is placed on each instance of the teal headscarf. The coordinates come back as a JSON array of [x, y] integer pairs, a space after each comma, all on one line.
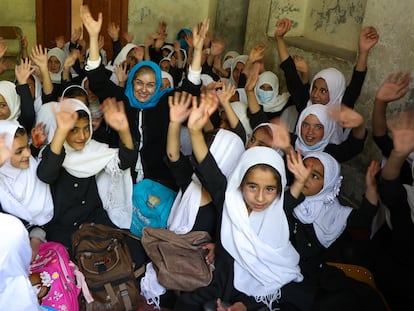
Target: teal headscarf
[[158, 93]]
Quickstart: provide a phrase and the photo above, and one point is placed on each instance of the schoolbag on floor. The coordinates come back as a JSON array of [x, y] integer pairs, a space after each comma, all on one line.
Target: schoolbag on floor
[[103, 256], [57, 274]]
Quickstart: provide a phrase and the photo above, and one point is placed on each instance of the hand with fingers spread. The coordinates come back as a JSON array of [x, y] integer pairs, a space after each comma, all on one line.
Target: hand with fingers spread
[[345, 116], [180, 107], [394, 87], [39, 56], [113, 31], [199, 34], [282, 27], [23, 71], [368, 37], [402, 129], [371, 192], [114, 114], [92, 26], [39, 135], [121, 72]]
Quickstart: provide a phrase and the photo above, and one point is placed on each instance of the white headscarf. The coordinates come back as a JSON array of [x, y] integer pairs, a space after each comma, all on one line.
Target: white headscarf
[[97, 159], [264, 258], [16, 291], [60, 55], [278, 101], [226, 149], [238, 59], [321, 112], [22, 193], [273, 128], [240, 109], [323, 209], [335, 81], [8, 91], [166, 75], [230, 54]]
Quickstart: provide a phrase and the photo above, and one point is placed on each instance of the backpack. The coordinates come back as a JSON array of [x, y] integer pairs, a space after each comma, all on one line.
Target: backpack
[[57, 274], [152, 203], [103, 257]]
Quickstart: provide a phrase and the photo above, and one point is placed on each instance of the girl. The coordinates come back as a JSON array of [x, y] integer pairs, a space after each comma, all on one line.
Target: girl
[[253, 227], [320, 230], [90, 182]]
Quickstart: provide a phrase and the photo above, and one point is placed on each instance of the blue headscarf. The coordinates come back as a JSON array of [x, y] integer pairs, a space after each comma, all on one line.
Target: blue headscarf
[[183, 43], [158, 93]]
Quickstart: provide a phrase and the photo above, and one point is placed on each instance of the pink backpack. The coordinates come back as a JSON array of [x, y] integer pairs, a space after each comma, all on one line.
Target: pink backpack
[[58, 273]]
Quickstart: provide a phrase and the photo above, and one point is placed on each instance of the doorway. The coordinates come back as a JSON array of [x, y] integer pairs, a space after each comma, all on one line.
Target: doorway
[[57, 18]]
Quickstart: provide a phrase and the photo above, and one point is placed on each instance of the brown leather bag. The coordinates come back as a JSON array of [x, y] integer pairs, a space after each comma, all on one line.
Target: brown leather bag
[[103, 257], [178, 259]]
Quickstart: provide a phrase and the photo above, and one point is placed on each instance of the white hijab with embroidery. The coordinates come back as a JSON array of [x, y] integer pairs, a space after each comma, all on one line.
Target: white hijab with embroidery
[[323, 209], [16, 291], [22, 193], [8, 91], [321, 112], [97, 159], [264, 258]]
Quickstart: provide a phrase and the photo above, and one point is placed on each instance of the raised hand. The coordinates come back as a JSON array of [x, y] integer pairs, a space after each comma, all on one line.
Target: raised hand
[[402, 129], [257, 53], [39, 135], [121, 72], [180, 107], [296, 166], [282, 27], [39, 56], [199, 34], [128, 36], [367, 38], [76, 34], [373, 168], [92, 26], [281, 137], [60, 42], [201, 113], [394, 87], [226, 93], [113, 31], [345, 116], [217, 46], [114, 114], [3, 47], [66, 116], [23, 71]]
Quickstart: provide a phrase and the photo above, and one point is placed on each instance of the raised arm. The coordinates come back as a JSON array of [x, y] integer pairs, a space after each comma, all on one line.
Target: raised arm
[[198, 118], [402, 128], [39, 57], [367, 39], [392, 89], [93, 27], [282, 27], [179, 105]]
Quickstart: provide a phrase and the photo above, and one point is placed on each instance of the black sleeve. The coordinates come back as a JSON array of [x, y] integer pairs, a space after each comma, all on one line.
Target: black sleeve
[[346, 150], [299, 92], [257, 118], [27, 113], [181, 170], [127, 157], [50, 165], [212, 179], [189, 87], [353, 90], [116, 48], [362, 217], [290, 202], [240, 131]]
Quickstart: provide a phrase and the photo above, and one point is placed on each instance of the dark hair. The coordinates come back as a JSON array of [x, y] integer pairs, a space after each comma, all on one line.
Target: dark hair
[[74, 91], [266, 167], [21, 131], [82, 114]]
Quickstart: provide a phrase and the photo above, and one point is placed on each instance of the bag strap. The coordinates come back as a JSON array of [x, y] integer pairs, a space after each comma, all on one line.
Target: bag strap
[[111, 293], [125, 296], [128, 233], [140, 271]]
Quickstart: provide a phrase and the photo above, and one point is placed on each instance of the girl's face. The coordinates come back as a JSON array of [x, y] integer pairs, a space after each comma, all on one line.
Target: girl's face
[[237, 71], [144, 86], [53, 64], [79, 135], [319, 93], [165, 65], [259, 189], [260, 137], [314, 183], [165, 83], [4, 109], [266, 87], [20, 152], [311, 130]]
